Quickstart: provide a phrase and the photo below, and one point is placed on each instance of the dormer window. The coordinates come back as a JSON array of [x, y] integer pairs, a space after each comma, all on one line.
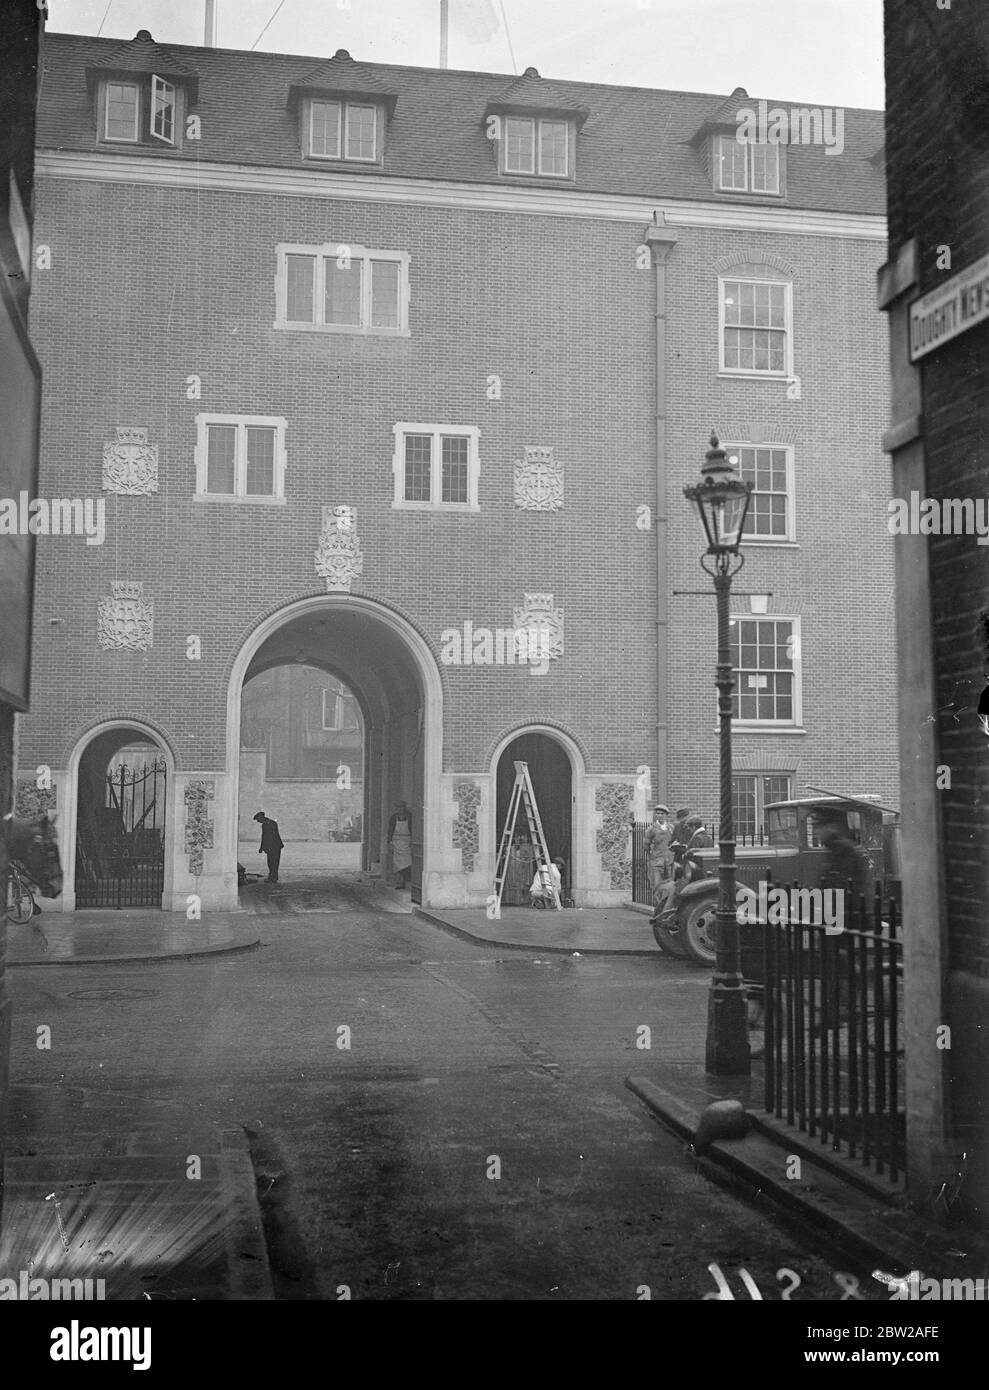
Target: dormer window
[[537, 147], [746, 166], [141, 93], [343, 109], [533, 127], [343, 130]]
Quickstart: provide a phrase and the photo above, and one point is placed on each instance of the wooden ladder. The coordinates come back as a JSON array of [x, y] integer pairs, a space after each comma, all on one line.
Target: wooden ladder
[[522, 794]]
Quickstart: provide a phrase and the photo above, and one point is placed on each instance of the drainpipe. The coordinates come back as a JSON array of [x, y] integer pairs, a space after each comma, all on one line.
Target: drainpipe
[[661, 240]]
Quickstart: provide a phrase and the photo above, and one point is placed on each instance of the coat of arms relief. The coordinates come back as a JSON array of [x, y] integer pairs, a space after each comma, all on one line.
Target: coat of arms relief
[[538, 481], [339, 558], [125, 622], [130, 463]]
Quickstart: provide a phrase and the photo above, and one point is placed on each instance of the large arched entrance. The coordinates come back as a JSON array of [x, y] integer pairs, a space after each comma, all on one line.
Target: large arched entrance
[[552, 783], [355, 645], [122, 820], [302, 755]]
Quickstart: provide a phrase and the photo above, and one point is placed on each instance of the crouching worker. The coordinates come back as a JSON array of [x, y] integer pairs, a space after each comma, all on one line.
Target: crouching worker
[[547, 885]]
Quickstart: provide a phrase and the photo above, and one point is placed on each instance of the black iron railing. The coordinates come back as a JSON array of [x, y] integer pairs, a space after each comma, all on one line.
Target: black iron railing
[[833, 1064]]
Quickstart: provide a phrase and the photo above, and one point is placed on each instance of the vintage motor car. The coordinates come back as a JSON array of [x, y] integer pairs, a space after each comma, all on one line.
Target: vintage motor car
[[792, 854]]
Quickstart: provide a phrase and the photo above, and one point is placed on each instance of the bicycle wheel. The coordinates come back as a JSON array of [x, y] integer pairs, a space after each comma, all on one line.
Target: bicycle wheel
[[20, 900]]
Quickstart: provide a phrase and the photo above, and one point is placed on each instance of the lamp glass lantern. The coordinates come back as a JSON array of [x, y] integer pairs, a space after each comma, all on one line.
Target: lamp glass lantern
[[722, 498]]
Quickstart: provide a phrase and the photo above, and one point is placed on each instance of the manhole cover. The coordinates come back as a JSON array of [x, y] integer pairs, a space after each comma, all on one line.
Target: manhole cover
[[113, 994]]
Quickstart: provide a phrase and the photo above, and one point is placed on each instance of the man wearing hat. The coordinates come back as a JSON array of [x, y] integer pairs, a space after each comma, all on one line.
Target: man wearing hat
[[271, 844], [659, 856]]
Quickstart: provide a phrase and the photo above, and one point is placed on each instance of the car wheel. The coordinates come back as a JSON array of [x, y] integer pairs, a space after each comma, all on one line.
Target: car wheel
[[698, 930], [668, 939]]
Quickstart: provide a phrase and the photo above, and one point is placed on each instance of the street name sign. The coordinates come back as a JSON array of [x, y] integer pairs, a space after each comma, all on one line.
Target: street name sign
[[959, 304]]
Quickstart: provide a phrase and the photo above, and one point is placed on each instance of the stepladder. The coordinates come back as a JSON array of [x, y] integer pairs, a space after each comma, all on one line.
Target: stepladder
[[523, 796]]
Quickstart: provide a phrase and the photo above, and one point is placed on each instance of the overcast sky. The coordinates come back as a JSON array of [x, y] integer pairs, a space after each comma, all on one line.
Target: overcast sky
[[819, 52]]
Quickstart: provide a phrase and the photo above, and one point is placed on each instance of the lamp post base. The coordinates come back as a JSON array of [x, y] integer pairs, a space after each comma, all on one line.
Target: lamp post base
[[728, 1051]]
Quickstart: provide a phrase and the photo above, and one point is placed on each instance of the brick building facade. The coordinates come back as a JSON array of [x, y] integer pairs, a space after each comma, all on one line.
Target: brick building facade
[[937, 74], [368, 362]]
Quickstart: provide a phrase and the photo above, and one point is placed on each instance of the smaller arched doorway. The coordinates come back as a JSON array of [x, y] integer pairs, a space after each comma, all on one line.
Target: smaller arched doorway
[[552, 783], [121, 821]]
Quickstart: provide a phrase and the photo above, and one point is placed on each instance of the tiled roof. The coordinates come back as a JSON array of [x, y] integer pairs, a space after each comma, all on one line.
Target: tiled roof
[[726, 113], [140, 54], [341, 74], [636, 143], [533, 93]]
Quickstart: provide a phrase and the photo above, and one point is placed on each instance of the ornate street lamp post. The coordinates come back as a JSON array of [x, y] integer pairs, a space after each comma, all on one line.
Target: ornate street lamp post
[[722, 500]]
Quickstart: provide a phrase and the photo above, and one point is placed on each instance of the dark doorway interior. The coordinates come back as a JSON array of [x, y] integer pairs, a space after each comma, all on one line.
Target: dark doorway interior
[[122, 810], [549, 768]]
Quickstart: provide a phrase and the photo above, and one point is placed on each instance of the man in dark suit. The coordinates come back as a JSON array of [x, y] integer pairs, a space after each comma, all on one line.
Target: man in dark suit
[[271, 845]]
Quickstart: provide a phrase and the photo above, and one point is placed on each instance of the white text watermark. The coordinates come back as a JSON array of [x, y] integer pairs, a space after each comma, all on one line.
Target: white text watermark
[[795, 125], [55, 516], [932, 516]]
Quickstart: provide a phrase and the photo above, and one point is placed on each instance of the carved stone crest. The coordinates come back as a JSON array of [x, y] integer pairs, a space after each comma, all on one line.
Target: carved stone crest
[[538, 482], [339, 558], [543, 623], [130, 463], [126, 621]]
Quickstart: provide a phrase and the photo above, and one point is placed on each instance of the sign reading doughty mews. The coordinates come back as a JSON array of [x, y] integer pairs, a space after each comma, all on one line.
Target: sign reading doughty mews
[[958, 304]]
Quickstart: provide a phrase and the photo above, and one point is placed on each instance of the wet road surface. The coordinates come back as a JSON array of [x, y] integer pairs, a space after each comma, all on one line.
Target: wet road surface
[[429, 1119]]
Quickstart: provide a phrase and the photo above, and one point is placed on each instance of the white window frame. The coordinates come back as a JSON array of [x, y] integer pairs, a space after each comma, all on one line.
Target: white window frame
[[339, 711], [789, 536], [471, 432], [159, 87], [343, 126], [335, 249], [748, 165], [121, 139], [349, 106], [536, 123], [794, 725], [758, 774], [277, 495], [755, 374]]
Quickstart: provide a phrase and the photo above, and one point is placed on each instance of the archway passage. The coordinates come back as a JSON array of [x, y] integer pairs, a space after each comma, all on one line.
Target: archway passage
[[350, 740], [302, 764], [121, 821], [550, 771]]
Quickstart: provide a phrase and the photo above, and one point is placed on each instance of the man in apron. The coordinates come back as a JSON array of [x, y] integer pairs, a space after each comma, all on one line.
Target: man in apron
[[400, 843]]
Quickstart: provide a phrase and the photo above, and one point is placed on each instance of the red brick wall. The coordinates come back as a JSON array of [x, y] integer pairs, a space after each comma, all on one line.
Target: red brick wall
[[838, 578], [150, 285]]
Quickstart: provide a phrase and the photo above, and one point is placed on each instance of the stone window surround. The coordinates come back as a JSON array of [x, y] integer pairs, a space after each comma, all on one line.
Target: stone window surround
[[365, 254], [471, 432], [276, 422]]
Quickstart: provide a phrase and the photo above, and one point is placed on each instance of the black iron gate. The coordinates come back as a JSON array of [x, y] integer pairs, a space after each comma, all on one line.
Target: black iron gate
[[120, 846]]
